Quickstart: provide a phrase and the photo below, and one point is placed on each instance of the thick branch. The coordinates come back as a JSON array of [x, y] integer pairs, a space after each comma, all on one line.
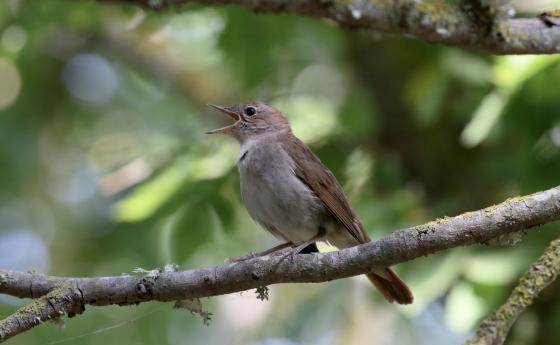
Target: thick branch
[[513, 215], [432, 21], [494, 330]]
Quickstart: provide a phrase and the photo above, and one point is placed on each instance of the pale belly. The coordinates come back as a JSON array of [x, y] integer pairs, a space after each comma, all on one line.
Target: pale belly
[[276, 198]]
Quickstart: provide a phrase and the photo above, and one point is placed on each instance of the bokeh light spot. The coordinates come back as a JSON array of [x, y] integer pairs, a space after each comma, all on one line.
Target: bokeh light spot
[[23, 250], [321, 81], [13, 38], [10, 85], [90, 77], [312, 118]]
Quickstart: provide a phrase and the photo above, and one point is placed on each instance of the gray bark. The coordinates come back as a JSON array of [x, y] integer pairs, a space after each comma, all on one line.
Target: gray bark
[[468, 25]]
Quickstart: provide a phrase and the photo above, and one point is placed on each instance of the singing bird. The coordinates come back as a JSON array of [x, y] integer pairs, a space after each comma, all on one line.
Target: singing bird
[[289, 192]]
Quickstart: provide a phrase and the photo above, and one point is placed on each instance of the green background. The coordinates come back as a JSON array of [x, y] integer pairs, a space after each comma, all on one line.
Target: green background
[[105, 167]]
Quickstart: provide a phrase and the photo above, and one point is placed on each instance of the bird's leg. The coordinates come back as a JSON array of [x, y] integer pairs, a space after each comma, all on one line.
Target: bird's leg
[[296, 250], [263, 253]]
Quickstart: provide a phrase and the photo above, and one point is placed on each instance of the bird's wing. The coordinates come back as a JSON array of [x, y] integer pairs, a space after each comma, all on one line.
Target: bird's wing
[[311, 171]]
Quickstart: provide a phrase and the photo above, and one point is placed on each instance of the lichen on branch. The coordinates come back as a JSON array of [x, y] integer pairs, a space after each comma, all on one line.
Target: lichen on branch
[[468, 24], [494, 330]]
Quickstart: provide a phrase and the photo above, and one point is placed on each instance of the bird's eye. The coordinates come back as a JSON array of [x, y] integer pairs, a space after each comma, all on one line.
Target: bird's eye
[[250, 111]]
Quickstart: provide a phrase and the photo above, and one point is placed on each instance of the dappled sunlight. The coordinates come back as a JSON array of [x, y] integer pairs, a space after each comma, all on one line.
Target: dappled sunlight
[[148, 197], [13, 38], [464, 308], [497, 268], [193, 36], [23, 250], [359, 170], [254, 311], [311, 117], [433, 278], [322, 81], [485, 118], [513, 71], [548, 146], [90, 77], [510, 73], [11, 83], [430, 327]]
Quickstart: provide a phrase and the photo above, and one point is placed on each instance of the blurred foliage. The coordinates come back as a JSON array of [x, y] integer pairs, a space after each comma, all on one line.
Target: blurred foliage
[[105, 166]]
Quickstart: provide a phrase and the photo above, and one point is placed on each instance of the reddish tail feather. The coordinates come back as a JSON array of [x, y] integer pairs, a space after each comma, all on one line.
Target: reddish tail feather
[[391, 286]]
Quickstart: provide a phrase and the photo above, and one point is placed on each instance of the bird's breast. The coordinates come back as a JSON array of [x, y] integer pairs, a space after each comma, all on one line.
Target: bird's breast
[[274, 196]]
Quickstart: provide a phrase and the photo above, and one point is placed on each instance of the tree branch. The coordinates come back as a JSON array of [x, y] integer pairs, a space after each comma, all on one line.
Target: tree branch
[[432, 21], [516, 214], [494, 330], [61, 299]]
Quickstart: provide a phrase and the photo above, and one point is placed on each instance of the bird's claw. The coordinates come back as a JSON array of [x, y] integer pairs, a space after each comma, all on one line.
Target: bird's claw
[[250, 256]]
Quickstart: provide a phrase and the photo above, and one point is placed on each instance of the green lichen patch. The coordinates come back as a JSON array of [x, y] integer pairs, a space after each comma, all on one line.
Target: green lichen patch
[[432, 226], [34, 312], [544, 271], [36, 307]]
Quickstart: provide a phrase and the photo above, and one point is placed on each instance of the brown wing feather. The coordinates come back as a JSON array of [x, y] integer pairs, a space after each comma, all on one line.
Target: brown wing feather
[[309, 169]]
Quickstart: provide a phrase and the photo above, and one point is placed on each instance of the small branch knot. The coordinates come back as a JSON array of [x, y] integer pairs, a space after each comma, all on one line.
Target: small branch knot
[[145, 287]]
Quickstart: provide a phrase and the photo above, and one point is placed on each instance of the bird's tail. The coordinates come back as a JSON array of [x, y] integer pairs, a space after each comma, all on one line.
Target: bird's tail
[[391, 286]]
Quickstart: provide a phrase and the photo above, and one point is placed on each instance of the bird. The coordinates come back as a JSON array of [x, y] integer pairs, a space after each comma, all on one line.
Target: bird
[[289, 192]]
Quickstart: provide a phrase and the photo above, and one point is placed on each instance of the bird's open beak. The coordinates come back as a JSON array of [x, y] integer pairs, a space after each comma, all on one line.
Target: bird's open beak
[[233, 114]]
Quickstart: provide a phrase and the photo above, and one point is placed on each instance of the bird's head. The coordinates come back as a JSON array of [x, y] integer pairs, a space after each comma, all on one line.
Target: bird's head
[[252, 119]]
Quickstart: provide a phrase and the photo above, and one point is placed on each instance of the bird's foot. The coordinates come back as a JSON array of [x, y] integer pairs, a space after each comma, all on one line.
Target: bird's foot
[[257, 255], [304, 246], [293, 252], [242, 258]]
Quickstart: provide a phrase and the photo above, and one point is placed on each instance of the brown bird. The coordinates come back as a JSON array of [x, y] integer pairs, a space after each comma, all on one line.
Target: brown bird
[[289, 192]]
